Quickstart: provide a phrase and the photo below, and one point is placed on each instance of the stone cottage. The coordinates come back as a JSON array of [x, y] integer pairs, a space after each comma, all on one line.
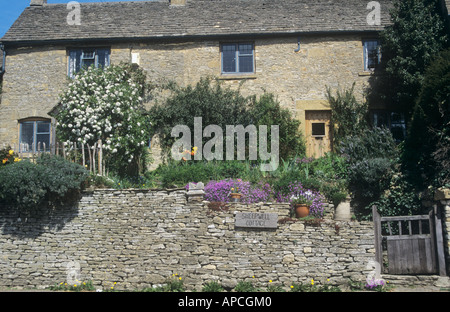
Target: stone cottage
[[292, 48]]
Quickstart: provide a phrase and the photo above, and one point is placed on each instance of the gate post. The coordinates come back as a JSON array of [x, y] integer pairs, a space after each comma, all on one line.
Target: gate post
[[377, 233], [439, 240]]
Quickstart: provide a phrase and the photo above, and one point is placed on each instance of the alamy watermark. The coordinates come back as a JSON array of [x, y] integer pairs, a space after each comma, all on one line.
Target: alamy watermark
[[214, 148]]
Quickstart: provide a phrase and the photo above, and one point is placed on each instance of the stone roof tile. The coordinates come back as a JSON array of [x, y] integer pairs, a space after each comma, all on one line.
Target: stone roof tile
[[154, 19]]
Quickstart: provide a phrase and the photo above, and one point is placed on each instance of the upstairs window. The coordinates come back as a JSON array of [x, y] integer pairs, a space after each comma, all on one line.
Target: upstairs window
[[237, 58], [83, 58], [372, 54], [34, 135]]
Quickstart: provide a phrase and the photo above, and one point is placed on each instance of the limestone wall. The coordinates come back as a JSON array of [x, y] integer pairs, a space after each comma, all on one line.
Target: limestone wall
[[138, 238]]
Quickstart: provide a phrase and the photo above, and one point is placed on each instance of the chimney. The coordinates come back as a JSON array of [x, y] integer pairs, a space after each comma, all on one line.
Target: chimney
[[38, 2], [177, 2]]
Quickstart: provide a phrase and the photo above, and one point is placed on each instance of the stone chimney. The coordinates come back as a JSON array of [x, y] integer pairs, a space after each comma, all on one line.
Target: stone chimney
[[177, 2], [38, 2]]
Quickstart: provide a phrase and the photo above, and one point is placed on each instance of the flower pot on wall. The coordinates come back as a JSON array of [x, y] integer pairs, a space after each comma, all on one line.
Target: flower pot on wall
[[235, 197], [301, 210]]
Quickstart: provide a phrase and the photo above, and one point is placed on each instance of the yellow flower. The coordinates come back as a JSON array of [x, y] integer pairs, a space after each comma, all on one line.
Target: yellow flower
[[292, 286], [16, 159], [4, 161], [312, 282], [115, 283], [253, 276], [11, 152], [179, 278], [75, 285], [270, 281]]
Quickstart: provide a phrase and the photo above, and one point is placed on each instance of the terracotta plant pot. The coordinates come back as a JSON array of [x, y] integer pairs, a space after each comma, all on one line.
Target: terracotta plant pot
[[235, 197], [301, 210]]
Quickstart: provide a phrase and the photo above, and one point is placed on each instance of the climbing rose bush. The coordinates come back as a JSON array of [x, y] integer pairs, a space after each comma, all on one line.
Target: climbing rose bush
[[106, 104]]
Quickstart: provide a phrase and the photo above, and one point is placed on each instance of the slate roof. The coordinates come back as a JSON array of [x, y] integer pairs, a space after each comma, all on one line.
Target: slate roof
[[158, 19]]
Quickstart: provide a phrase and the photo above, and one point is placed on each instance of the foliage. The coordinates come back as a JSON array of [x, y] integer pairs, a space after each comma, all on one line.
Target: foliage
[[106, 104], [221, 106], [427, 148], [266, 110], [349, 117], [8, 156], [378, 285], [213, 103], [371, 159], [27, 185], [212, 286], [313, 287], [296, 189], [219, 191], [245, 286], [409, 44], [399, 199], [80, 286], [173, 284]]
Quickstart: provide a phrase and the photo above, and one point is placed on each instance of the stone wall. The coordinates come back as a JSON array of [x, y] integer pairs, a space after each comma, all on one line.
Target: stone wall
[[138, 238]]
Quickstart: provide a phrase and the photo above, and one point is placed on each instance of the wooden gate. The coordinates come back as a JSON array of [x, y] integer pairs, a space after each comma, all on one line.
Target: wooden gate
[[414, 244]]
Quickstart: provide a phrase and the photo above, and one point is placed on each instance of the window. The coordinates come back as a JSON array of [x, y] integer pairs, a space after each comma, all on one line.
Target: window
[[395, 121], [80, 58], [318, 129], [34, 135], [372, 54], [237, 58]]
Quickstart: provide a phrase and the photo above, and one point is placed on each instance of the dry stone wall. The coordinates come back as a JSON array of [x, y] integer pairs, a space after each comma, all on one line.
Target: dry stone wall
[[139, 238]]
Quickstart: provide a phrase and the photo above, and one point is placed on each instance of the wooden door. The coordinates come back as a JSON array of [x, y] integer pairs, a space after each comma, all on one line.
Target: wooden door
[[318, 136]]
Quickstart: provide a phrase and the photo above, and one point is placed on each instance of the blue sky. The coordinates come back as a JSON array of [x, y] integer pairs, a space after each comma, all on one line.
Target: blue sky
[[11, 9]]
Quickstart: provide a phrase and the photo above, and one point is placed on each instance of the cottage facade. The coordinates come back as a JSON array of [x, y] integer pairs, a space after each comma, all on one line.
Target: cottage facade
[[292, 48]]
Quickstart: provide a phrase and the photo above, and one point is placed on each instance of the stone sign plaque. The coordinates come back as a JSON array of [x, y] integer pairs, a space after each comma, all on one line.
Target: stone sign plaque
[[256, 220]]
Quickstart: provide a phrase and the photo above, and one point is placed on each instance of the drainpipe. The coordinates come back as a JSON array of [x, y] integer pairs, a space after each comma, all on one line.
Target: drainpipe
[[2, 69], [298, 43]]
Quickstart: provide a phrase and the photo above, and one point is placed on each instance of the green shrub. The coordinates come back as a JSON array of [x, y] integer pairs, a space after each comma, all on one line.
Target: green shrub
[[349, 117], [221, 106], [212, 286], [266, 110], [372, 159], [245, 286], [27, 185]]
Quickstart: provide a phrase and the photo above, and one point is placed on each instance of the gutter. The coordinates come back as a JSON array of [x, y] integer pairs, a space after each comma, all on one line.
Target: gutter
[[183, 37]]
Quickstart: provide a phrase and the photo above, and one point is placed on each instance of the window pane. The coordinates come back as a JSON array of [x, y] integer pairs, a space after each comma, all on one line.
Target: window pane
[[245, 64], [229, 58], [245, 49], [87, 63], [27, 135], [43, 127], [372, 57], [103, 57], [42, 139], [318, 128]]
